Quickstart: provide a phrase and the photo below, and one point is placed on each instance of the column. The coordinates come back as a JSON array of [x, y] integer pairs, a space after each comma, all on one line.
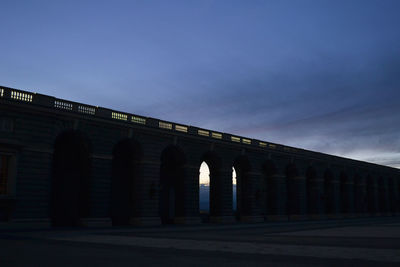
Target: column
[[191, 213], [298, 197], [315, 192], [277, 197], [251, 209], [146, 194], [221, 196]]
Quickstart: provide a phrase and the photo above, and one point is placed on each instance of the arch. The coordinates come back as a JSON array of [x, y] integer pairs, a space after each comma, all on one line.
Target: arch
[[71, 169], [313, 192], [392, 195], [383, 196], [234, 191], [329, 193], [204, 192], [344, 201], [291, 174], [125, 163], [243, 187], [372, 198], [171, 202], [214, 165], [360, 194]]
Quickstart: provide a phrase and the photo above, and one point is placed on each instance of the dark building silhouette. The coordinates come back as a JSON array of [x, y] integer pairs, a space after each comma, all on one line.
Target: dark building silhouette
[[74, 164]]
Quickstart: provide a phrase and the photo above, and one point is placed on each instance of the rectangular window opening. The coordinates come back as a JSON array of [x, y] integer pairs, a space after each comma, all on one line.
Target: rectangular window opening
[[165, 125], [21, 96], [235, 139], [203, 133], [87, 110], [181, 128], [1, 92], [139, 120], [216, 135], [62, 105], [246, 141], [119, 116], [262, 144]]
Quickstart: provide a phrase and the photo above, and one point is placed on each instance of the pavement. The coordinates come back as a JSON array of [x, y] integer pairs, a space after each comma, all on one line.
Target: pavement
[[346, 242]]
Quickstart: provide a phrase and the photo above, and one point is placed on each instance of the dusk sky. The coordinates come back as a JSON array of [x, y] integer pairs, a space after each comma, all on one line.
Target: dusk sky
[[320, 75]]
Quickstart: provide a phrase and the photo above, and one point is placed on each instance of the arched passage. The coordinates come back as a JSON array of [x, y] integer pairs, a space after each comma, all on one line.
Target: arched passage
[[313, 192], [292, 205], [344, 194], [383, 196], [330, 193], [360, 192], [171, 202], [372, 195], [126, 156], [243, 191], [393, 195], [204, 192], [234, 191], [70, 179]]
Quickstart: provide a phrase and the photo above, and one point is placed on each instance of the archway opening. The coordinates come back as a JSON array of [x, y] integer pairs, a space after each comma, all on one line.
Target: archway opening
[[126, 156], [382, 195], [344, 205], [70, 179], [234, 192], [204, 192], [312, 192], [291, 174], [171, 201], [371, 195], [328, 192]]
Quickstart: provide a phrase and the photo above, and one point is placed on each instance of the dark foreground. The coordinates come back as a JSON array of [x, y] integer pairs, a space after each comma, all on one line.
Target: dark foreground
[[351, 242]]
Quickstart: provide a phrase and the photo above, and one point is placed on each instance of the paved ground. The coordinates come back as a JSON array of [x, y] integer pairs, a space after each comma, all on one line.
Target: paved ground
[[355, 242]]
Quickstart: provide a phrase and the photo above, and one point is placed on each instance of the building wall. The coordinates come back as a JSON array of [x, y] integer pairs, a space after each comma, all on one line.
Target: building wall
[[276, 182]]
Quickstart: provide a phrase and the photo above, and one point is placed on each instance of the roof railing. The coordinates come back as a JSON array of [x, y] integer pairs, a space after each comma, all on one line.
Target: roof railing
[[26, 97]]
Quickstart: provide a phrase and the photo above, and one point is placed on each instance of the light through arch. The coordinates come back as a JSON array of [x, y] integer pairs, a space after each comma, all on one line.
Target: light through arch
[[204, 189], [234, 191]]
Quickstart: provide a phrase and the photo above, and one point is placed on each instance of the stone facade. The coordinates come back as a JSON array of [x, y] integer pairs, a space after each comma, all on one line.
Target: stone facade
[[74, 164]]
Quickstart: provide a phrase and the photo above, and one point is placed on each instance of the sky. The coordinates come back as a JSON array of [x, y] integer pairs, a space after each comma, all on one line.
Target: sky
[[319, 75]]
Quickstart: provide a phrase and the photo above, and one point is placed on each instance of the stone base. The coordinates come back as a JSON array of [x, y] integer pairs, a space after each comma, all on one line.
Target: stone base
[[222, 219], [187, 220], [276, 218], [317, 216], [96, 222], [145, 221], [297, 217], [26, 223], [251, 219], [348, 215], [334, 216]]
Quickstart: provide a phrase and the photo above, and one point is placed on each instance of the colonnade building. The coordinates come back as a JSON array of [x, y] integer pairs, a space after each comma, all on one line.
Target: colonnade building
[[68, 163]]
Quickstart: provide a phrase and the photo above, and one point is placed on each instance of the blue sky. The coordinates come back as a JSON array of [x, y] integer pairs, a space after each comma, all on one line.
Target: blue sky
[[321, 75]]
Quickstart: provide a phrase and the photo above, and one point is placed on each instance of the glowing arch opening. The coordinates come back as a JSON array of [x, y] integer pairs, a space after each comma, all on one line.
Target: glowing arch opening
[[234, 191], [204, 188]]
